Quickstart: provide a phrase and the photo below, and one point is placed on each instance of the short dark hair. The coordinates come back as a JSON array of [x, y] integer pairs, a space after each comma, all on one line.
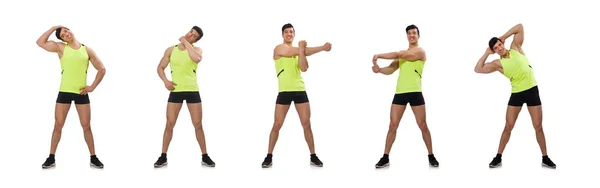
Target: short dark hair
[[200, 33], [493, 42], [412, 26], [287, 25], [57, 32]]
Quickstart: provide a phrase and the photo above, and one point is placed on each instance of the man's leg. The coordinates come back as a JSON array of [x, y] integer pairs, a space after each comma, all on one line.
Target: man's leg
[[280, 114], [196, 115], [396, 113], [512, 112], [420, 115], [60, 115], [534, 106], [84, 111], [195, 107], [173, 107], [536, 118], [173, 110], [282, 107], [303, 109]]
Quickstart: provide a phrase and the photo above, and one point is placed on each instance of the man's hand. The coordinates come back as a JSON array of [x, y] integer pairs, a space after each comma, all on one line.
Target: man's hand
[[170, 85], [86, 90], [182, 39], [56, 27], [375, 57], [302, 44], [489, 51], [327, 46], [376, 68]]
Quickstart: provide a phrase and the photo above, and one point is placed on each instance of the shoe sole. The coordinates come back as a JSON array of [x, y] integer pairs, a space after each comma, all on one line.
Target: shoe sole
[[160, 166], [94, 166], [313, 164], [207, 165], [47, 167], [496, 166], [267, 166], [548, 166], [382, 166], [430, 165]]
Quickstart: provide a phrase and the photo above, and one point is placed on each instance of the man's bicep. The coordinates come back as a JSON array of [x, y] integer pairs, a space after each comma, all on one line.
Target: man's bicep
[[394, 64], [164, 61], [94, 59], [50, 46], [492, 66], [286, 51]]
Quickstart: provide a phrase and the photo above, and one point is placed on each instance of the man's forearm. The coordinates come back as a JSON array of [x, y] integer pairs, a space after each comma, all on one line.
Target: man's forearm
[[391, 55], [302, 61], [313, 50], [45, 36], [481, 62], [194, 55], [514, 30], [99, 76], [162, 75]]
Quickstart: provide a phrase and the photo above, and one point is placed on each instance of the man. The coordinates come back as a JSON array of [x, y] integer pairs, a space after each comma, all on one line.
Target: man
[[183, 59], [289, 61], [408, 91], [74, 60], [515, 66]]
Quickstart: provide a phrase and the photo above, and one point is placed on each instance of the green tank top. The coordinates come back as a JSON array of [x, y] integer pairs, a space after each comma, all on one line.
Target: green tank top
[[74, 65], [409, 76], [288, 74], [183, 71], [518, 71]]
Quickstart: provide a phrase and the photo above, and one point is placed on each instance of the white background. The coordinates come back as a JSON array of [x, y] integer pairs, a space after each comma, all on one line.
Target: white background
[[350, 104]]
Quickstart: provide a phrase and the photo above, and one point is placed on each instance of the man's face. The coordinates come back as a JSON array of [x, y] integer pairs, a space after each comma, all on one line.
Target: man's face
[[499, 48], [412, 36], [192, 36], [288, 35], [66, 35]]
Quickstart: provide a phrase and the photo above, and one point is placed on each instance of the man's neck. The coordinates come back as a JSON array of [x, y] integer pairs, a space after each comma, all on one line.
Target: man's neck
[[73, 43], [506, 54], [415, 45], [287, 43]]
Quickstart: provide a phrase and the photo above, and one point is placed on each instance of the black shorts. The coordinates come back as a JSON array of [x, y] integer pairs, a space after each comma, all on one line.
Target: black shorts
[[67, 98], [187, 96], [413, 98], [287, 97], [531, 97]]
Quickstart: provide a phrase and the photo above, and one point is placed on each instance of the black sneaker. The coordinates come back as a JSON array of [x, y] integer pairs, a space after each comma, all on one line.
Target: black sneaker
[[268, 162], [206, 161], [432, 161], [546, 162], [383, 162], [95, 162], [496, 162], [161, 162], [49, 163], [314, 160]]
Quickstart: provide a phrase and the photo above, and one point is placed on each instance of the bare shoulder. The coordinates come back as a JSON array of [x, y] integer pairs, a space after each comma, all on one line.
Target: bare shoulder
[[169, 50], [422, 51], [61, 45], [497, 63], [276, 49], [280, 46]]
